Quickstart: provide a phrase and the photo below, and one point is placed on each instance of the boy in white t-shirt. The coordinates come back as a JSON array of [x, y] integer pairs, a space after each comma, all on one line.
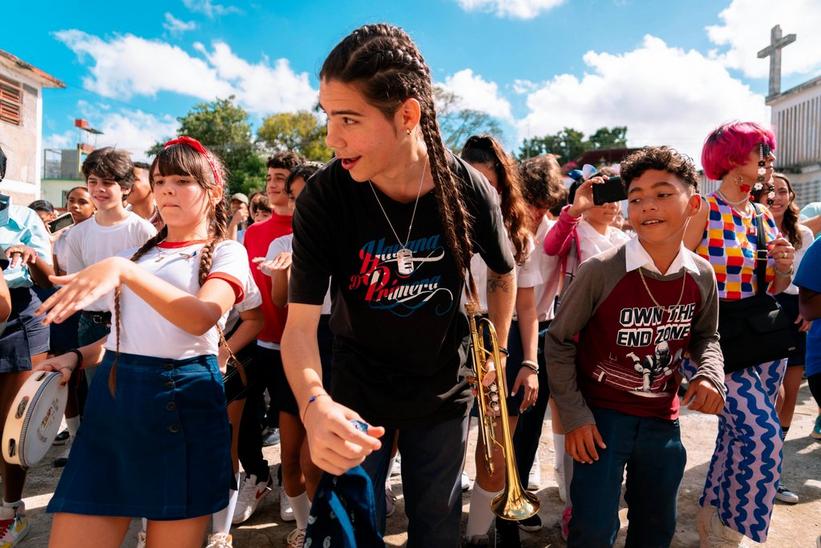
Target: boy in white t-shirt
[[109, 177], [109, 174]]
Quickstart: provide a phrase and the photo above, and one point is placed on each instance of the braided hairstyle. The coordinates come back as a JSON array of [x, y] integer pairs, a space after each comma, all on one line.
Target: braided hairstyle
[[387, 68], [791, 219], [486, 150], [183, 159]]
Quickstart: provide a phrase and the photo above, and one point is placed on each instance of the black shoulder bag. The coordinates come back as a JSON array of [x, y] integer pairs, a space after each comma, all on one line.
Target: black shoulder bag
[[755, 330]]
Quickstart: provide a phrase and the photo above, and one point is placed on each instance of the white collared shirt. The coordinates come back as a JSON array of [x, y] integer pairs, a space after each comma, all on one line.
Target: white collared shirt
[[637, 257]]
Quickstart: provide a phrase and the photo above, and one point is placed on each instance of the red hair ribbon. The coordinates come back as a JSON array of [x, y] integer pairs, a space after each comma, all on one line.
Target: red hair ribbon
[[196, 145]]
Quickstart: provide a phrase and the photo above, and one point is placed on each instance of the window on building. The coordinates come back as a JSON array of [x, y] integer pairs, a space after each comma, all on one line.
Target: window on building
[[11, 101]]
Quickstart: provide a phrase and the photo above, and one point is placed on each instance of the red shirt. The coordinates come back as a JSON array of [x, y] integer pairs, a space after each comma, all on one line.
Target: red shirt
[[257, 239]]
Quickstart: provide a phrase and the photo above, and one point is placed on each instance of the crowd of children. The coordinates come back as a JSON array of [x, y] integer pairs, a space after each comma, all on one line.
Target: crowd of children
[[172, 307]]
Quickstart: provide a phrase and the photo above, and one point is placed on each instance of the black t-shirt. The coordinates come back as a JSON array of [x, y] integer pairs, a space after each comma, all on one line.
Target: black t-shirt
[[400, 340]]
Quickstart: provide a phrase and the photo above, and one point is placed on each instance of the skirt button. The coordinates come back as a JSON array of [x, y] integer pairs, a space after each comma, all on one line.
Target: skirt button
[[171, 406], [169, 366], [169, 384], [174, 428]]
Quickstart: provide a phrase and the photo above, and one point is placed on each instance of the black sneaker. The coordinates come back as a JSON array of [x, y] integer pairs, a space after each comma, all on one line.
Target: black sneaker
[[61, 439], [532, 524]]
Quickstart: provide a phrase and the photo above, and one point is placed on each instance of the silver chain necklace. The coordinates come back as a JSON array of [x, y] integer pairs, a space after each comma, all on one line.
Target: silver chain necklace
[[744, 201], [404, 257], [652, 298]]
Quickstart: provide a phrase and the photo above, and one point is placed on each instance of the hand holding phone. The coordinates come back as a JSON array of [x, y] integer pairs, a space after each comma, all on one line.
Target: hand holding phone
[[63, 221], [612, 190]]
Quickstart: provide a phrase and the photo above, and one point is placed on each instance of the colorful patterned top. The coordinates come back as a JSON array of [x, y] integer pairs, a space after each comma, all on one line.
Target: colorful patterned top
[[729, 243]]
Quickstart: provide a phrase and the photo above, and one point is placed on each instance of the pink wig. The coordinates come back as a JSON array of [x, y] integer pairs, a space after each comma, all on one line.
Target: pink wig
[[729, 146]]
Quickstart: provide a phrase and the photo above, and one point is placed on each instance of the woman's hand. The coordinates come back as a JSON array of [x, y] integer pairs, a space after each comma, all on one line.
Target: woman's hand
[[583, 200], [281, 262], [64, 364], [19, 254], [336, 445], [783, 253], [83, 288], [803, 325], [528, 381]]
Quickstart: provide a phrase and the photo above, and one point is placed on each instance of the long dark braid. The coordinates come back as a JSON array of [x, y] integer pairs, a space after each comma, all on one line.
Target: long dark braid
[[388, 68]]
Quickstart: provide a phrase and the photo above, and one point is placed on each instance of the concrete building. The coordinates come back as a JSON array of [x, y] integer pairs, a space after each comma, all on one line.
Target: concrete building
[[796, 120], [21, 125]]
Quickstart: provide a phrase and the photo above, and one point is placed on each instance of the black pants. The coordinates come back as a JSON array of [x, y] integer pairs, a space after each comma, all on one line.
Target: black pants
[[249, 448], [815, 387], [529, 427]]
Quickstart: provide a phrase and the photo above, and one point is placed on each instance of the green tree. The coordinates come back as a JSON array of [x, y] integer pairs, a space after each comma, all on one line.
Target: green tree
[[297, 131], [223, 126], [457, 124], [570, 143]]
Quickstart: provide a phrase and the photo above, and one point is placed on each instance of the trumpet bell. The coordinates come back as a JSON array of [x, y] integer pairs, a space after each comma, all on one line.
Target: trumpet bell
[[516, 505]]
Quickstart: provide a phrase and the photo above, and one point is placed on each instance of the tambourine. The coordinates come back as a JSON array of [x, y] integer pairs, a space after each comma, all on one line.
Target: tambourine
[[34, 418]]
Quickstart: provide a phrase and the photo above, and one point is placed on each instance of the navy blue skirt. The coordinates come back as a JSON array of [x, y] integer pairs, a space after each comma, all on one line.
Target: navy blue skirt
[[160, 449]]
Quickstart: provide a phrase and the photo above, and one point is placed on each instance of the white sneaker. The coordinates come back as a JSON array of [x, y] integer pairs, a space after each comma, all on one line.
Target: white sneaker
[[534, 478], [250, 495], [286, 511], [141, 539], [466, 483], [219, 540], [721, 536], [295, 538], [13, 525], [785, 495]]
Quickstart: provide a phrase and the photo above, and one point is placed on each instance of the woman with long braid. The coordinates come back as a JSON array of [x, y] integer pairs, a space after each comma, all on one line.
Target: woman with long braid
[[393, 222], [156, 425]]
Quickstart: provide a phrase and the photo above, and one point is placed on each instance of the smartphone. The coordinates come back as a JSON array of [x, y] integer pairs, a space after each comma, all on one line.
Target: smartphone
[[61, 222], [611, 190]]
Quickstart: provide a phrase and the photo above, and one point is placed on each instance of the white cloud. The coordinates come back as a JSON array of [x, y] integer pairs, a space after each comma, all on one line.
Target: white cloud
[[125, 66], [745, 30], [516, 9], [177, 26], [135, 130], [59, 141], [476, 93], [128, 65], [520, 87], [260, 87], [209, 9], [663, 95]]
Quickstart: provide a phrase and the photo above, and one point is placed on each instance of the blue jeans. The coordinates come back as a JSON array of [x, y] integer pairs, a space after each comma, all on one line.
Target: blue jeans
[[651, 450], [431, 480], [90, 332]]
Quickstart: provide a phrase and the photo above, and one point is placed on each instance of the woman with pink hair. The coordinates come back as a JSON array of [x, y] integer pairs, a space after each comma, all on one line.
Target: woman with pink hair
[[745, 469]]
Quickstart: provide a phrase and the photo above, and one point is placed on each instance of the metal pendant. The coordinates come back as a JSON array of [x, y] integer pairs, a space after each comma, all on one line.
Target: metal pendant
[[404, 261]]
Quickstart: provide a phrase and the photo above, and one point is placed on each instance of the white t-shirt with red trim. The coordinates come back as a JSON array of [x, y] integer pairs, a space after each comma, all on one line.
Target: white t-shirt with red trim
[[144, 331]]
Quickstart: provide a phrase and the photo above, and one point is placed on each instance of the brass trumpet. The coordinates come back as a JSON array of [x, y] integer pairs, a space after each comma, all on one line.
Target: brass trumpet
[[513, 503]]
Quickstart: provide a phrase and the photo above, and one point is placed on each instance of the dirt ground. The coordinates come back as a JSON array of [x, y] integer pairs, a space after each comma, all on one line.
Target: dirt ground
[[793, 526]]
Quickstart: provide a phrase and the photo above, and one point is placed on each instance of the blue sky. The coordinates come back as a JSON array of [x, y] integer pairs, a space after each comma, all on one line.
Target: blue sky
[[668, 70]]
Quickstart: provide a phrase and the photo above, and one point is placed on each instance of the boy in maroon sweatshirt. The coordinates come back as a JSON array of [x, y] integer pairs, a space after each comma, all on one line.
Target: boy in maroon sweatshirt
[[613, 356]]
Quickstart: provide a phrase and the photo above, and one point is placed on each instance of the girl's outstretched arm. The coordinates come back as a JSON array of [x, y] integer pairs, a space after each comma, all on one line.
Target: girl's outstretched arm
[[194, 314]]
